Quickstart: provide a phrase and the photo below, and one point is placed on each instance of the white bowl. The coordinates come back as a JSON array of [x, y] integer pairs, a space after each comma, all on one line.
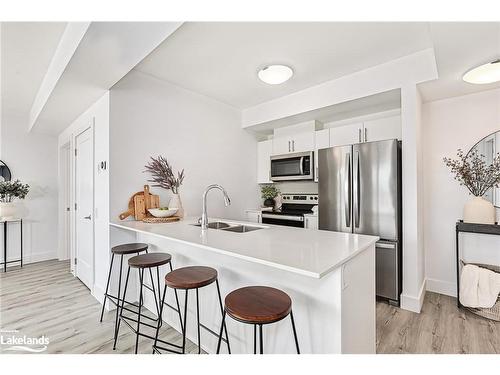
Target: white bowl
[[156, 212]]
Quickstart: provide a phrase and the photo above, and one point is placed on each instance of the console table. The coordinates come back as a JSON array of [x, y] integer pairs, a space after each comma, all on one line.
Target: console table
[[5, 232], [462, 227]]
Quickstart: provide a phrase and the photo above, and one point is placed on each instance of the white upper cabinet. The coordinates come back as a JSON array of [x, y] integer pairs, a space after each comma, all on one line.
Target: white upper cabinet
[[366, 131], [381, 129], [322, 141], [295, 138], [264, 151], [346, 134]]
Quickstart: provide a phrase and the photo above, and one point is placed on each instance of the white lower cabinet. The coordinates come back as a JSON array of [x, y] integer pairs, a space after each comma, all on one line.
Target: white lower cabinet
[[253, 216], [311, 221]]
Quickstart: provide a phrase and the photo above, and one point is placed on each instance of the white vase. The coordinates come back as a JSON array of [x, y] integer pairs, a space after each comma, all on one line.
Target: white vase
[[8, 210], [479, 210], [175, 202]]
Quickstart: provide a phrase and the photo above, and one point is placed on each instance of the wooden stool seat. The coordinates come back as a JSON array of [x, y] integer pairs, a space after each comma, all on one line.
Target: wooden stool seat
[[191, 277], [129, 248], [149, 260], [258, 304]]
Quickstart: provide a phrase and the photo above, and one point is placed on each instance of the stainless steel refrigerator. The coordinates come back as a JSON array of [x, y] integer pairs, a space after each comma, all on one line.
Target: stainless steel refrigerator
[[360, 192]]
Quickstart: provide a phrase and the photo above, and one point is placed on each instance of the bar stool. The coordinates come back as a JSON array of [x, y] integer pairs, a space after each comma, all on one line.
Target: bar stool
[[258, 305], [121, 250], [141, 263], [188, 278]]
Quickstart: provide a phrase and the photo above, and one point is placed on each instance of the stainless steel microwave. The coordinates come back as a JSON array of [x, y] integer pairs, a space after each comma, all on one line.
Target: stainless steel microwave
[[296, 166]]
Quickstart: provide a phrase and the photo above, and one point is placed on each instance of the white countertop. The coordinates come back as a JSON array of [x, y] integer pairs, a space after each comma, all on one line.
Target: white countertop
[[312, 253]]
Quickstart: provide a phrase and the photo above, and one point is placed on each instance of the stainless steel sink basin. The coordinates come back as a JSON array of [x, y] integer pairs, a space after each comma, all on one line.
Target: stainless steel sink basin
[[241, 229], [215, 225]]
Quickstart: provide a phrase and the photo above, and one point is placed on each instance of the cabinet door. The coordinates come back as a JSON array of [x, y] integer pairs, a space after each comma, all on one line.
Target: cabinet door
[[382, 129], [346, 135], [302, 142], [322, 141], [281, 145], [310, 222], [264, 150]]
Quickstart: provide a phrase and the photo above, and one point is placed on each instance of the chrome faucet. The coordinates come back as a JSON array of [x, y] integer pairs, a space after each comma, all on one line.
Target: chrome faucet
[[204, 217]]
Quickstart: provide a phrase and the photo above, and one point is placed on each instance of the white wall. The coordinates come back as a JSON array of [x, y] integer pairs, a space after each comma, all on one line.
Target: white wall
[[98, 117], [150, 117], [450, 124], [32, 158]]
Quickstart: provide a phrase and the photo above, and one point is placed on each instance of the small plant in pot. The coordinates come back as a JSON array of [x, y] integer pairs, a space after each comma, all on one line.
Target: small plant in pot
[[478, 177], [10, 192], [268, 193], [163, 176]]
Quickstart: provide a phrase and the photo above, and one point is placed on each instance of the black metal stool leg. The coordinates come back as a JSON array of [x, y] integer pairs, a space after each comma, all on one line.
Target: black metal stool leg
[[141, 277], [294, 333], [160, 318], [117, 320], [255, 339], [198, 320], [221, 330], [157, 306], [178, 305], [107, 286], [222, 311], [185, 323], [261, 340], [117, 324]]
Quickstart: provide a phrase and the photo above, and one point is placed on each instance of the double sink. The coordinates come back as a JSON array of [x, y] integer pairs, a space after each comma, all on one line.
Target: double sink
[[236, 228]]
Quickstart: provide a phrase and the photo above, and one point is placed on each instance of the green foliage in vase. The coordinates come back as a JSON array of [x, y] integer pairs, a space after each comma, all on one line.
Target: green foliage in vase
[[10, 190], [269, 191], [472, 171]]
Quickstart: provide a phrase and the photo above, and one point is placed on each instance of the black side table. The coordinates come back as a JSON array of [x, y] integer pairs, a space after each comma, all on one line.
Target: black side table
[[5, 222], [462, 227]]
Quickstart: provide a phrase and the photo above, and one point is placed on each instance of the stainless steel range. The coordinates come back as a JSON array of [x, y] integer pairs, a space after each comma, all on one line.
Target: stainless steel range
[[292, 211]]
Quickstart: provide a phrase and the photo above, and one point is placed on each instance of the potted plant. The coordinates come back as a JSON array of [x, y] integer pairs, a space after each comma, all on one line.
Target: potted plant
[[10, 191], [268, 193], [472, 172], [164, 177]]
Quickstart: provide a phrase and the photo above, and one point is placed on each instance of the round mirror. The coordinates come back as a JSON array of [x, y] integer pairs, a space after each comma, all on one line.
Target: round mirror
[[489, 146], [5, 174]]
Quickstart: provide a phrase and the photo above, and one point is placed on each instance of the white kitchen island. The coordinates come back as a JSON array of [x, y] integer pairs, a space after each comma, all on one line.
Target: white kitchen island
[[330, 277]]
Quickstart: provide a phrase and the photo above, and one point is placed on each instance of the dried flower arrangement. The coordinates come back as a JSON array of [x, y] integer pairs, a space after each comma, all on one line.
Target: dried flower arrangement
[[163, 175], [472, 171], [10, 190]]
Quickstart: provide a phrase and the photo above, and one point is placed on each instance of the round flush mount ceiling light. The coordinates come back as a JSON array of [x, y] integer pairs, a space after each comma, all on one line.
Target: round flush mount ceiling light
[[486, 73], [275, 74]]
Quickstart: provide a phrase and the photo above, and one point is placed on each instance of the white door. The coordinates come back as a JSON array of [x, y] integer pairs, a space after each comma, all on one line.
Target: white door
[[346, 135], [84, 199], [303, 141], [281, 145], [382, 129]]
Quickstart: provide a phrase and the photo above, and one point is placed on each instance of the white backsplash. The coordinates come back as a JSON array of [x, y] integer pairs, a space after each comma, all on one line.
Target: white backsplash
[[298, 187]]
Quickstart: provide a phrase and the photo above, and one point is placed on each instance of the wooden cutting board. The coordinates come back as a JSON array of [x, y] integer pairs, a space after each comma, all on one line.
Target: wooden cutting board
[[139, 202]]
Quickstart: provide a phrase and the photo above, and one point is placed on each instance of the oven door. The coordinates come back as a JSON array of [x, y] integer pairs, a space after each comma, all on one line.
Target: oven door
[[297, 166], [287, 220]]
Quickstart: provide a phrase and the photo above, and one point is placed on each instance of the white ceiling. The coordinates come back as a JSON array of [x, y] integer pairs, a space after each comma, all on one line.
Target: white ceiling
[[221, 60], [27, 49]]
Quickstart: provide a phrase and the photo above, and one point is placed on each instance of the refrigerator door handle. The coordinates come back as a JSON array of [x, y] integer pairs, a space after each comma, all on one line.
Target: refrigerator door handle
[[357, 192], [347, 191]]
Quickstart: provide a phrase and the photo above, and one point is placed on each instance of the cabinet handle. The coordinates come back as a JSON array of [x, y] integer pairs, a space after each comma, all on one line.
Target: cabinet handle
[[293, 145], [359, 135], [288, 146], [366, 137], [306, 223]]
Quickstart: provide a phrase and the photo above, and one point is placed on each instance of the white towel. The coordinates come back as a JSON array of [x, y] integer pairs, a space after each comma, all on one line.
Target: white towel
[[479, 287]]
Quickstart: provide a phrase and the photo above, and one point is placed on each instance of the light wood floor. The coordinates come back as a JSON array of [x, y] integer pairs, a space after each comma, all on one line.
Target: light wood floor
[[45, 299]]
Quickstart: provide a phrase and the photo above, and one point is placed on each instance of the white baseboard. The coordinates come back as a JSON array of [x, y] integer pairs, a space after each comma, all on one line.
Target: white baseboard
[[35, 258], [442, 287], [414, 303]]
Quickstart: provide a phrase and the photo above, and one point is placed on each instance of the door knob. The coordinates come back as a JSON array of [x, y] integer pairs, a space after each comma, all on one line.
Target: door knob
[[88, 217]]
